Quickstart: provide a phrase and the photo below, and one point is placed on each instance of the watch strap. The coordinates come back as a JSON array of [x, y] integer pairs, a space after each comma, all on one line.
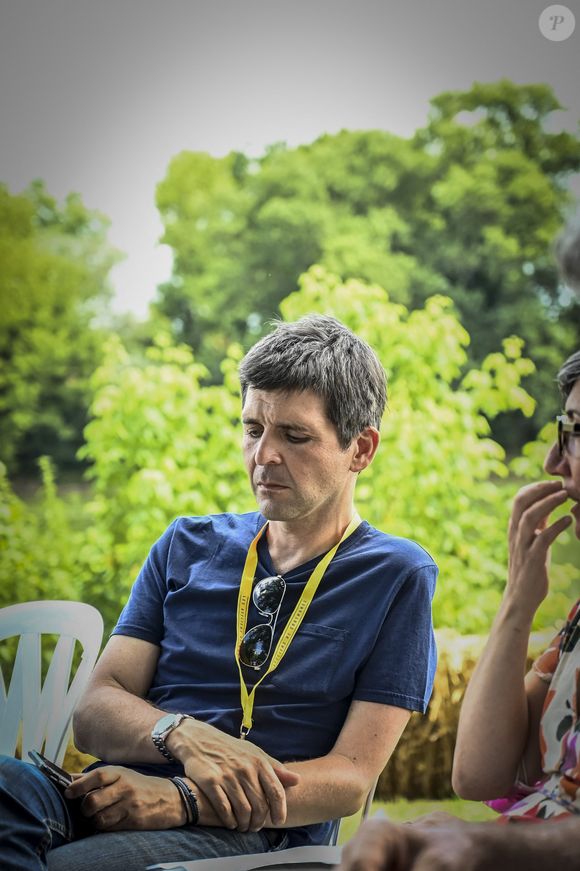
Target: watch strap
[[158, 737]]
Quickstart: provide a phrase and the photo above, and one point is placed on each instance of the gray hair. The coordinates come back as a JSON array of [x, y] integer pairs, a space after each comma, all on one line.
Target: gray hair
[[319, 353], [569, 374]]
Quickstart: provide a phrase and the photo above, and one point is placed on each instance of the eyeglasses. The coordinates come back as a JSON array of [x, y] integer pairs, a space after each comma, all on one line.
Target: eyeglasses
[[568, 436], [256, 644]]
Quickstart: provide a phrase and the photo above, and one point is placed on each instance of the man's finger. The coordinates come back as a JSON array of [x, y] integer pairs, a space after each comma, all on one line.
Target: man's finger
[[378, 846], [109, 818], [243, 800], [220, 802], [102, 809], [285, 776], [95, 779], [275, 796]]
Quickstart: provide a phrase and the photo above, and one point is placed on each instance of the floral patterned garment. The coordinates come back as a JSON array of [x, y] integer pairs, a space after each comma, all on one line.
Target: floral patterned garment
[[557, 794]]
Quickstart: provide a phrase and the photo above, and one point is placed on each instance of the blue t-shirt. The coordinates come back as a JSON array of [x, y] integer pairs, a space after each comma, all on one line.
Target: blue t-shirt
[[367, 634]]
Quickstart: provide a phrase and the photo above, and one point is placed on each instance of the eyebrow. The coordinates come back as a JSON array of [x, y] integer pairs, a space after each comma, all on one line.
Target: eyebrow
[[296, 427]]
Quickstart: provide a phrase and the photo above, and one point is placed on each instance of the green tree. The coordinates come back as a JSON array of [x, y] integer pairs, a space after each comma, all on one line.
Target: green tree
[[468, 207], [39, 544], [162, 443], [494, 204], [434, 476], [54, 262], [243, 231]]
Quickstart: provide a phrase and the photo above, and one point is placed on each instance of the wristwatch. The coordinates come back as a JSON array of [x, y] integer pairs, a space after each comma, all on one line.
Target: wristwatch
[[161, 730]]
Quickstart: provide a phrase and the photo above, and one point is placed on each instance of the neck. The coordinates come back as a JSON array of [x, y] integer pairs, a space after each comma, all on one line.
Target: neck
[[293, 542]]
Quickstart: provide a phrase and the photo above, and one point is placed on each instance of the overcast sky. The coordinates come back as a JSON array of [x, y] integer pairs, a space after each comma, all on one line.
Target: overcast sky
[[96, 96]]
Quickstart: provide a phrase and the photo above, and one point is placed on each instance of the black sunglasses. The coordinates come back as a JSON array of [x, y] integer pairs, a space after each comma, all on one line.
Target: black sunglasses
[[568, 435], [256, 644]]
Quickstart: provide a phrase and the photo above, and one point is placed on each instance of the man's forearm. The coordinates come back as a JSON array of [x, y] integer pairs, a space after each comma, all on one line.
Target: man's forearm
[[115, 725], [329, 787]]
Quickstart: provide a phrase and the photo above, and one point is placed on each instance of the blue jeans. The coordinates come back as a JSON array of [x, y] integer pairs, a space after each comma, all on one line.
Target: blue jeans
[[39, 829]]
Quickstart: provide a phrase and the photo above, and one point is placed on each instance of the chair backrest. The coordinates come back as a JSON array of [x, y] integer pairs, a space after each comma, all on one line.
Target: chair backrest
[[45, 709]]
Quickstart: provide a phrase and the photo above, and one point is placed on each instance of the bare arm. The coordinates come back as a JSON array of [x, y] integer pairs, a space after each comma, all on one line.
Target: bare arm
[[332, 786], [337, 784], [241, 783], [500, 715], [112, 719]]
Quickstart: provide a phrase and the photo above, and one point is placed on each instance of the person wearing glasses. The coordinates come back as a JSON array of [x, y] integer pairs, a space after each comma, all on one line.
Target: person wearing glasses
[[514, 729], [519, 735], [266, 663]]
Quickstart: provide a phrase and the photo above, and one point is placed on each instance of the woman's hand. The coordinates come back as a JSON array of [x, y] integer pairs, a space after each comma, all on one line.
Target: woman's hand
[[530, 539]]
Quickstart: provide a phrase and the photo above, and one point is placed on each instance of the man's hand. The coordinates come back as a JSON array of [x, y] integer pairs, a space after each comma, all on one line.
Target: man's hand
[[442, 843], [454, 845], [243, 784], [118, 799]]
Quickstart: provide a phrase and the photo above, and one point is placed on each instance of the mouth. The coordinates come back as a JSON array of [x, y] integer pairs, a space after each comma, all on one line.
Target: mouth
[[270, 486]]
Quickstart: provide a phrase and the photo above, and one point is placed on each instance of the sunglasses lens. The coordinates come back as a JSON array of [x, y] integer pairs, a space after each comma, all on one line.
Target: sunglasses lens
[[255, 646], [268, 594]]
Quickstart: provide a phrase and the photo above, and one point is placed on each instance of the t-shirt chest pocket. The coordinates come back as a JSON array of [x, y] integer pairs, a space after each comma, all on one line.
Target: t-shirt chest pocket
[[311, 666]]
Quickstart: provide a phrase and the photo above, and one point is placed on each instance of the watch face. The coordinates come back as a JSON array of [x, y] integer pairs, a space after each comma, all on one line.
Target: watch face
[[164, 724]]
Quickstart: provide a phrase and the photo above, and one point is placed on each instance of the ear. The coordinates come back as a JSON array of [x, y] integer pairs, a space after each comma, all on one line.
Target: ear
[[365, 447]]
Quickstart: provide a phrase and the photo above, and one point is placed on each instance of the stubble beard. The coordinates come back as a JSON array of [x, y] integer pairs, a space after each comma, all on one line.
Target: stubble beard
[[273, 510]]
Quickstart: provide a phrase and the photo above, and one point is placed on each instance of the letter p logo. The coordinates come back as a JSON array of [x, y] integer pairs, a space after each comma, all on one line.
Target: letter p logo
[[557, 23]]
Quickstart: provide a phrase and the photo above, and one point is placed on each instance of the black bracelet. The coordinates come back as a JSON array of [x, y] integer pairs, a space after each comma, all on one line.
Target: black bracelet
[[183, 797], [190, 798]]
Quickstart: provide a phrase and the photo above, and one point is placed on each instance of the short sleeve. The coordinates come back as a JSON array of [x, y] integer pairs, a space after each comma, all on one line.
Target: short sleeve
[[142, 616], [401, 667]]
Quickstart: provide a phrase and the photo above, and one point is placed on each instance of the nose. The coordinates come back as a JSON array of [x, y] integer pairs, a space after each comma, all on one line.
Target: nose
[[556, 463], [267, 450]]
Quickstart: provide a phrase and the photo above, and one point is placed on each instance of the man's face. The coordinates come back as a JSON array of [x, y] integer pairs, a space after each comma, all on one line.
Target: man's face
[[296, 466], [568, 467]]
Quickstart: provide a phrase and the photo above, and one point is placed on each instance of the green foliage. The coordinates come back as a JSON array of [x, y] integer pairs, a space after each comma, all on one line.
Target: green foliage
[[468, 207], [162, 443], [499, 196], [432, 479], [53, 266], [39, 545]]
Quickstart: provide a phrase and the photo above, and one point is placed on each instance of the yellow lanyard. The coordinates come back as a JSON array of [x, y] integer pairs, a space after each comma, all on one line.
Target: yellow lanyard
[[293, 623]]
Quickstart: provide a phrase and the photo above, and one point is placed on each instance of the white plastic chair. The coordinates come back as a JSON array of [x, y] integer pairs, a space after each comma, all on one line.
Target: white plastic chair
[[45, 709]]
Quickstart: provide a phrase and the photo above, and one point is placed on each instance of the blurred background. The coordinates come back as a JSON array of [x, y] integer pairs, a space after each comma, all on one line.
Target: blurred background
[[173, 176]]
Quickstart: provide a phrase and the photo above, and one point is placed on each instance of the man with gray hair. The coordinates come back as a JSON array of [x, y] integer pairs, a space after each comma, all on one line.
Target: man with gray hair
[[266, 664]]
